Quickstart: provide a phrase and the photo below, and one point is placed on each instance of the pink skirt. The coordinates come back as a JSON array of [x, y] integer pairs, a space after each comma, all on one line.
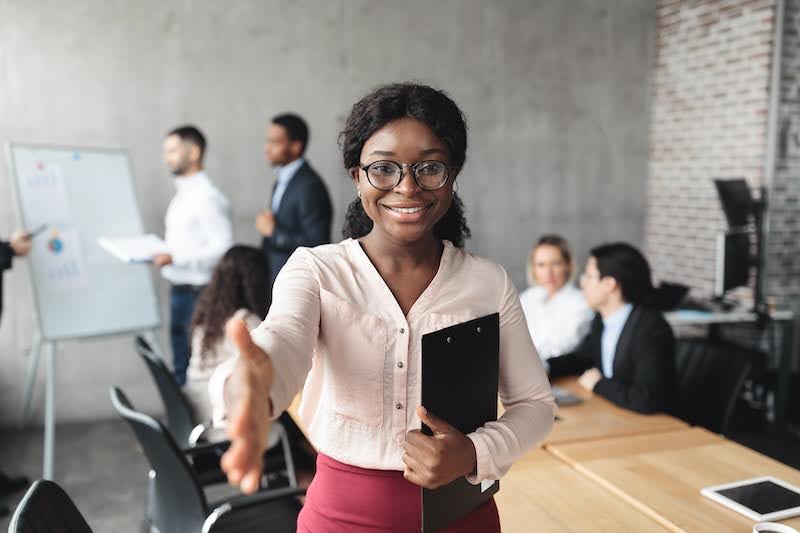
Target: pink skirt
[[348, 499]]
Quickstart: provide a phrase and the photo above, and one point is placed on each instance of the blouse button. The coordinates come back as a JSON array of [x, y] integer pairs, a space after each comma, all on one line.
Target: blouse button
[[398, 405], [399, 364], [402, 330]]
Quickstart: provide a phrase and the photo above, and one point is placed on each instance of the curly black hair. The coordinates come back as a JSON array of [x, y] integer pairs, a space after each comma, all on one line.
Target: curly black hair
[[426, 104], [239, 281]]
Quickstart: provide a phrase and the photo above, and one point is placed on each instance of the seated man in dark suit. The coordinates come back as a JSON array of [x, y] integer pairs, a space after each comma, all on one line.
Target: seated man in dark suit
[[300, 209], [628, 356]]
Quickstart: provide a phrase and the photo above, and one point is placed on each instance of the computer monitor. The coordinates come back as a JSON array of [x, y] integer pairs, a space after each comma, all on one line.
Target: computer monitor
[[737, 202], [733, 262]]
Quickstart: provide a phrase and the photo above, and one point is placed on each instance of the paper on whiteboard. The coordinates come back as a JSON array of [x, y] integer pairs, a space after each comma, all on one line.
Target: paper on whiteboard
[[44, 197], [134, 249], [62, 260]]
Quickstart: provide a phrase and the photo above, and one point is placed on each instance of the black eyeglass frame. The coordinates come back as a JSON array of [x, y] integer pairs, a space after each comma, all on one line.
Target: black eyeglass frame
[[403, 166]]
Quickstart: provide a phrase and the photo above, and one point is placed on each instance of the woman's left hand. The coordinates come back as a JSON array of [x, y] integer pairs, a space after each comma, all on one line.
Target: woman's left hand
[[434, 461]]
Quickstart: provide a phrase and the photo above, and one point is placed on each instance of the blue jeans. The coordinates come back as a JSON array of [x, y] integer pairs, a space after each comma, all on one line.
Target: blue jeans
[[181, 307]]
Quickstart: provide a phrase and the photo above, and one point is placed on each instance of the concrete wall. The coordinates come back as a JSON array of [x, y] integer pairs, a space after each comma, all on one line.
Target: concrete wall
[[555, 94]]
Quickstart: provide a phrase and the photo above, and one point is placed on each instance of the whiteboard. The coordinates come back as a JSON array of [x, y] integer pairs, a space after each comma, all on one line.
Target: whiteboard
[[82, 194]]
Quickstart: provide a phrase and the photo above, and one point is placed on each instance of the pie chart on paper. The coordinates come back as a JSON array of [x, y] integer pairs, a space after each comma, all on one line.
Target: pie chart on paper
[[55, 244]]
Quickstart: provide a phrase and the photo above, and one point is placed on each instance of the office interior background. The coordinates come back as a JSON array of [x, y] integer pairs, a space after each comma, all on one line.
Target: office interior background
[[596, 119]]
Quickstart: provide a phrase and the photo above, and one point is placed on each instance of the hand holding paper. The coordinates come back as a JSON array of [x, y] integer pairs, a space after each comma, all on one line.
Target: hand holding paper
[[139, 249]]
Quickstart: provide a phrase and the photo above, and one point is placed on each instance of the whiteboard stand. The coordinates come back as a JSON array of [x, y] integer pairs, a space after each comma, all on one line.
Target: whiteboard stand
[[33, 367], [49, 399], [50, 392]]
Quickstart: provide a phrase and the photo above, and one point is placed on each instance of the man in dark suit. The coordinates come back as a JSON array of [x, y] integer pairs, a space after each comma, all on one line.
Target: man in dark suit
[[628, 356], [19, 245], [300, 210]]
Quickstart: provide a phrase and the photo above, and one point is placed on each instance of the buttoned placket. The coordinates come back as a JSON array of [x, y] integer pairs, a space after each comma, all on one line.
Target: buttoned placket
[[400, 354]]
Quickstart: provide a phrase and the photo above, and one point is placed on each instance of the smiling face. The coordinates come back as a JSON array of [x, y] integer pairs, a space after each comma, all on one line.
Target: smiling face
[[407, 213]]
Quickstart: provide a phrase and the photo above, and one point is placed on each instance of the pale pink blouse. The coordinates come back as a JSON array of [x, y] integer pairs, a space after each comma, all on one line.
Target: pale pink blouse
[[335, 325]]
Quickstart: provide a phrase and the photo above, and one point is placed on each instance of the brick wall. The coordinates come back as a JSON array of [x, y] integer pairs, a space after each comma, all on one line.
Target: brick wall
[[710, 96], [783, 245]]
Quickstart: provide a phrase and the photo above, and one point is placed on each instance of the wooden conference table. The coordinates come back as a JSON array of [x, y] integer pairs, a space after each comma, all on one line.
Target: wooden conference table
[[661, 475], [597, 418]]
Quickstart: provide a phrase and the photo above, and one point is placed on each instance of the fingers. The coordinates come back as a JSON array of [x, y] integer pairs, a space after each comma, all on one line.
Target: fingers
[[420, 478], [415, 464], [243, 464], [237, 332], [436, 424], [251, 481], [422, 451]]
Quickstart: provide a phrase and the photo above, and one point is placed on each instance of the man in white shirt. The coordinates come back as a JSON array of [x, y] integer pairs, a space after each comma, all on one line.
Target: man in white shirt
[[198, 232]]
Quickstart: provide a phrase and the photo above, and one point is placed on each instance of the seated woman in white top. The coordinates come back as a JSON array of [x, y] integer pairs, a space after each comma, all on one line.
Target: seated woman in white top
[[239, 288], [346, 326], [557, 313]]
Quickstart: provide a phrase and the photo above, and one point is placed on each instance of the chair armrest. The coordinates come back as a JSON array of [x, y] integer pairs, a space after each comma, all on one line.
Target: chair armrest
[[241, 502], [198, 432], [209, 447]]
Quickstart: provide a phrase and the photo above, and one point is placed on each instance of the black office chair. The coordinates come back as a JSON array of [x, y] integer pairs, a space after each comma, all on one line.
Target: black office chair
[[182, 503], [710, 376], [179, 413], [190, 435], [46, 508]]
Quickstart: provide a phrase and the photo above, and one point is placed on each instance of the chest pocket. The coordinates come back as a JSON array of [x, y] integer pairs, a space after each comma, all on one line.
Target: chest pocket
[[355, 344]]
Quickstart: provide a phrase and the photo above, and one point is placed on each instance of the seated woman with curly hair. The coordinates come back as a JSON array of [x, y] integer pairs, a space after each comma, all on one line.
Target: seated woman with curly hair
[[239, 288]]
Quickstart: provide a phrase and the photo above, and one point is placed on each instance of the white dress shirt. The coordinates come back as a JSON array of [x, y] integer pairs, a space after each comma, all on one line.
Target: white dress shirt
[[558, 325], [285, 175], [198, 230], [335, 325], [612, 329]]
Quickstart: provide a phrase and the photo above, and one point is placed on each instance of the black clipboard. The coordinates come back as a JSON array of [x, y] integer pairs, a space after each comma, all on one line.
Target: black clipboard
[[460, 372]]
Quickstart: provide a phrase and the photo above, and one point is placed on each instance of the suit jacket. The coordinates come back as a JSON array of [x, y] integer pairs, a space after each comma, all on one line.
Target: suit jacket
[[303, 218], [644, 362], [6, 256]]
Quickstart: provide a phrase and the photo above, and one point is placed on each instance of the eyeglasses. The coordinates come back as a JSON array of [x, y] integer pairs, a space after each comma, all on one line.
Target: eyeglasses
[[386, 175], [585, 276]]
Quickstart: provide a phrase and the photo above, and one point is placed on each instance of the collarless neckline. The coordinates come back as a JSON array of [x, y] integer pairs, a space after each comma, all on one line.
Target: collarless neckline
[[422, 302]]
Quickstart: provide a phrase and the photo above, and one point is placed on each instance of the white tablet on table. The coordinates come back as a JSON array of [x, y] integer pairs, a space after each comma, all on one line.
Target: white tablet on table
[[761, 498]]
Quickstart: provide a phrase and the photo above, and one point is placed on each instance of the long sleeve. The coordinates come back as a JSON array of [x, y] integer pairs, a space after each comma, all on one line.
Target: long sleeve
[[6, 255], [217, 231], [650, 387], [315, 221], [579, 360], [289, 333], [572, 329], [524, 391]]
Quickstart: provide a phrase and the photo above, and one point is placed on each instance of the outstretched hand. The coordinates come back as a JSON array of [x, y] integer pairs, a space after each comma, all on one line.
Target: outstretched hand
[[248, 427], [434, 461]]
